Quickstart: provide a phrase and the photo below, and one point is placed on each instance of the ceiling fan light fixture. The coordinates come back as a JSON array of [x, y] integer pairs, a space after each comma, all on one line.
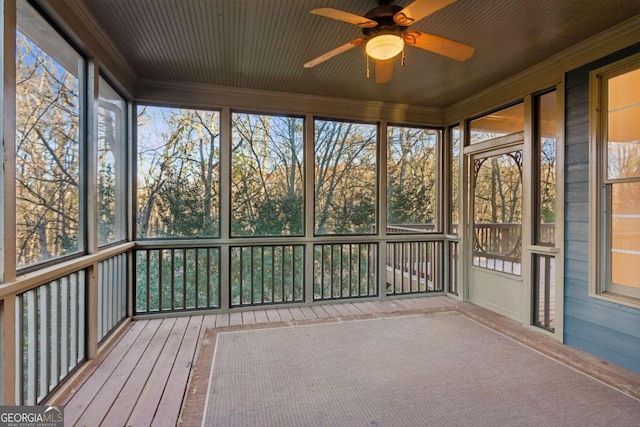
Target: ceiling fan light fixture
[[385, 46]]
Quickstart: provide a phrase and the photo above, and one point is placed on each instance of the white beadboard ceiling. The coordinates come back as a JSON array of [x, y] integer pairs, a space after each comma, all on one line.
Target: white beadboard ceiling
[[262, 44]]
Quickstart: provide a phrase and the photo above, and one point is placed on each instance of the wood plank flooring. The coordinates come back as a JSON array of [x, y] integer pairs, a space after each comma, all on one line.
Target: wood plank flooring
[[141, 379]]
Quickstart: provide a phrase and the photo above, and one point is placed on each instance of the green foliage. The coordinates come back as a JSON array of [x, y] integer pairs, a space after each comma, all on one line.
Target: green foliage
[[177, 279], [267, 177], [344, 270], [345, 178], [411, 175], [106, 205], [178, 173], [267, 274]]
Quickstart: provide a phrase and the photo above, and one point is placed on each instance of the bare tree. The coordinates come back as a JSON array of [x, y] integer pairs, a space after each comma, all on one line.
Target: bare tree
[[47, 156]]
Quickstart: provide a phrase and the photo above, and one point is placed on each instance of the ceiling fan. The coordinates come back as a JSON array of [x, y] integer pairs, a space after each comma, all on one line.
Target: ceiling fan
[[385, 30]]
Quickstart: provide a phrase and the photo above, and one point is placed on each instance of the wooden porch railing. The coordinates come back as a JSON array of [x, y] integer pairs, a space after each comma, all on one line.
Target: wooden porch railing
[[54, 319], [505, 240], [57, 318]]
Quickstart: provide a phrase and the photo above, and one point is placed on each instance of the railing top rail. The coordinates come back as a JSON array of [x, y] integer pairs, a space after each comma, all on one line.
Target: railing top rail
[[26, 282], [507, 225], [413, 226]]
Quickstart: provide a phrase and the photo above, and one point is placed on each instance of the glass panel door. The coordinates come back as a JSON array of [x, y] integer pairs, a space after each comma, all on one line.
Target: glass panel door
[[497, 221], [495, 273]]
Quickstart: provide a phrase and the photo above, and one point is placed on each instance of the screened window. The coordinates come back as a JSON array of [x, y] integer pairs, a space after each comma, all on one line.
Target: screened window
[[546, 131], [504, 122], [267, 175], [454, 170], [178, 172], [111, 162], [498, 213], [345, 177], [412, 170], [48, 179], [620, 186], [545, 187]]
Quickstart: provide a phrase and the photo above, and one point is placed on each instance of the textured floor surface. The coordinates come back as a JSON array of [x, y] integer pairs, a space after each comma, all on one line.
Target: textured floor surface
[[431, 369]]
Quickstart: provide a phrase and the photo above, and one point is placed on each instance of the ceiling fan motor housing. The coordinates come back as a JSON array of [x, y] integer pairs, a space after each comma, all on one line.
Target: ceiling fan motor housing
[[383, 15]]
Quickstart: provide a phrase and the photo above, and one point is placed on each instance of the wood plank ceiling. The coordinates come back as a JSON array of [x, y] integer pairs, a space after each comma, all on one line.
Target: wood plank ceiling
[[262, 44]]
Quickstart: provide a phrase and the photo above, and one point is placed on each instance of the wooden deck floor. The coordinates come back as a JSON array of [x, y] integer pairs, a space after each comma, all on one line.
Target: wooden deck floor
[[141, 379]]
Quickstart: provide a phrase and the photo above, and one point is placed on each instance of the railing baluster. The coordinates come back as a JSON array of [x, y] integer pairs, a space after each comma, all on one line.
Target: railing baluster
[[426, 248], [351, 290], [251, 268], [73, 324], [184, 279], [358, 268], [32, 347], [196, 263], [419, 267], [433, 270], [173, 278], [101, 299], [148, 280], [111, 285], [64, 328], [160, 253], [394, 264], [241, 277], [547, 291], [19, 350], [412, 271], [122, 284], [273, 274], [54, 367], [208, 277], [263, 277], [341, 271], [293, 273], [283, 274], [80, 321], [110, 303], [331, 272], [43, 366]]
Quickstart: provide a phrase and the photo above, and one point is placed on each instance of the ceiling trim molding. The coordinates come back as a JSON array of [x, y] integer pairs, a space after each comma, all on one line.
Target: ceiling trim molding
[[609, 41], [77, 19], [199, 95], [547, 73]]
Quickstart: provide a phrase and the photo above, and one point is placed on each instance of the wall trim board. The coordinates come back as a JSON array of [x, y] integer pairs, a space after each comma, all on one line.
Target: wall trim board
[[549, 72], [210, 96]]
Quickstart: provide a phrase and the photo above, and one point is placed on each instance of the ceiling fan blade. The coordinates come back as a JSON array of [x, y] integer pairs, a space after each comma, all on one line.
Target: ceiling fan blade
[[337, 51], [419, 9], [384, 70], [446, 47], [341, 15]]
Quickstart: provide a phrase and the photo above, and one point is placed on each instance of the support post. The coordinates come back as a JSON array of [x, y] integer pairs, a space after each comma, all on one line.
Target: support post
[[381, 226], [225, 207], [309, 205], [91, 299]]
